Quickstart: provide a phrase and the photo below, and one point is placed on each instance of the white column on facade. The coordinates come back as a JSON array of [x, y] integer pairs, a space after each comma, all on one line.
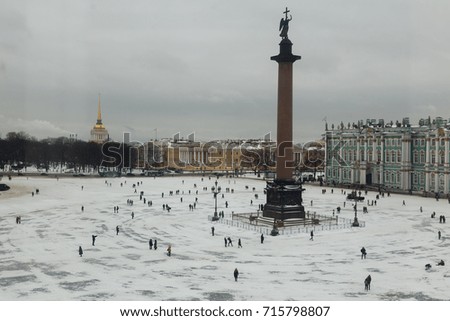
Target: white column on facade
[[374, 159], [374, 149], [427, 163], [446, 163], [358, 156], [341, 144], [366, 148], [436, 163], [382, 161], [363, 166], [356, 165], [326, 164], [406, 162]]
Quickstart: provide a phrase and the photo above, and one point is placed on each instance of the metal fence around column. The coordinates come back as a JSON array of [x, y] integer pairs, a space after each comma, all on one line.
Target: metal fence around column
[[326, 223]]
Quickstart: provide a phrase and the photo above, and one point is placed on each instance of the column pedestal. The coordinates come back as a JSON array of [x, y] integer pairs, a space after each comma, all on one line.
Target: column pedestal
[[284, 200]]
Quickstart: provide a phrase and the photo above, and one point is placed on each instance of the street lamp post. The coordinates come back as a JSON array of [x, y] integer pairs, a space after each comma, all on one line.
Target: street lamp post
[[216, 217], [355, 221]]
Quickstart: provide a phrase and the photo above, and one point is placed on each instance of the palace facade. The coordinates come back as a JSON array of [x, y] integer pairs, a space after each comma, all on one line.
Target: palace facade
[[393, 156]]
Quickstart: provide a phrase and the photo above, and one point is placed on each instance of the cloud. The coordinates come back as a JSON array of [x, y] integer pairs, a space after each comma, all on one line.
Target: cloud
[[36, 127]]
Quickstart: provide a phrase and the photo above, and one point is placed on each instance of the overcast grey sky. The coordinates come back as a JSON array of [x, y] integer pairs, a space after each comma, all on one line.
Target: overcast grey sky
[[204, 66]]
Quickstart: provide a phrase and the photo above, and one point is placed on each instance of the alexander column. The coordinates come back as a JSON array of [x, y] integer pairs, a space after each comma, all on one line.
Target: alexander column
[[284, 194]]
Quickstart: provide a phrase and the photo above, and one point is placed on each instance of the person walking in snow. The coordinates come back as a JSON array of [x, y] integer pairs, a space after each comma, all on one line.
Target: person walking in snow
[[93, 239], [239, 243], [225, 240], [367, 283], [80, 251], [230, 243], [169, 250], [262, 238], [236, 274], [312, 236], [155, 244], [212, 231], [439, 235], [150, 244], [363, 253], [117, 230]]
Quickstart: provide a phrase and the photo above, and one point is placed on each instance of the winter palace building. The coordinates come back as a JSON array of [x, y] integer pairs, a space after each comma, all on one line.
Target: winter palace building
[[393, 156]]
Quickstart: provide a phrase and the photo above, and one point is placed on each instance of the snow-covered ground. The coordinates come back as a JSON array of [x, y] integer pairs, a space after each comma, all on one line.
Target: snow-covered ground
[[39, 258]]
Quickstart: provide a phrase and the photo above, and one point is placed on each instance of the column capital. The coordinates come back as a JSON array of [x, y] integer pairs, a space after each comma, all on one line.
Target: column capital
[[285, 54]]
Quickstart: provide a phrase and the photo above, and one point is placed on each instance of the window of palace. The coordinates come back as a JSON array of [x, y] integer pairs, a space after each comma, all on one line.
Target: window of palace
[[422, 157], [399, 156], [415, 157]]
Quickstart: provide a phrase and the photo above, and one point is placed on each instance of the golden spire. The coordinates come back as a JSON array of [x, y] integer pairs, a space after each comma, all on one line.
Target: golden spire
[[99, 112], [99, 115]]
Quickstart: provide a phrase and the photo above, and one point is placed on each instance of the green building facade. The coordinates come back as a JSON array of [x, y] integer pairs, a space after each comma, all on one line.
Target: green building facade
[[393, 156]]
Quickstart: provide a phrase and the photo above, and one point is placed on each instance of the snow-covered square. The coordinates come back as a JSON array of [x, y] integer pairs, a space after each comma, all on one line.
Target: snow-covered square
[[39, 258]]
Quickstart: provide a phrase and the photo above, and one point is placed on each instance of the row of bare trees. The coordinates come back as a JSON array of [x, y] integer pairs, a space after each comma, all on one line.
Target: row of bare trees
[[18, 150]]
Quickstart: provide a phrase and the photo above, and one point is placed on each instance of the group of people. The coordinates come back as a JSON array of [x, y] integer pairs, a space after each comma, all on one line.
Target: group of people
[[152, 244], [440, 263], [166, 207]]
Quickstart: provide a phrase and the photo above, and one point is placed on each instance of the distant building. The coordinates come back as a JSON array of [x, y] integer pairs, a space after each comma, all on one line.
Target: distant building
[[390, 156], [99, 134], [219, 155]]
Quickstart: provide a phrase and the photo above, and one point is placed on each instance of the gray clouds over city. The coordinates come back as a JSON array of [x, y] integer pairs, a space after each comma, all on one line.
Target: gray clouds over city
[[204, 66]]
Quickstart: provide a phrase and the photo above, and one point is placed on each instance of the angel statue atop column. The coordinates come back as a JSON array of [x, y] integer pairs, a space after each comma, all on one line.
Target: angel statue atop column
[[284, 25]]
